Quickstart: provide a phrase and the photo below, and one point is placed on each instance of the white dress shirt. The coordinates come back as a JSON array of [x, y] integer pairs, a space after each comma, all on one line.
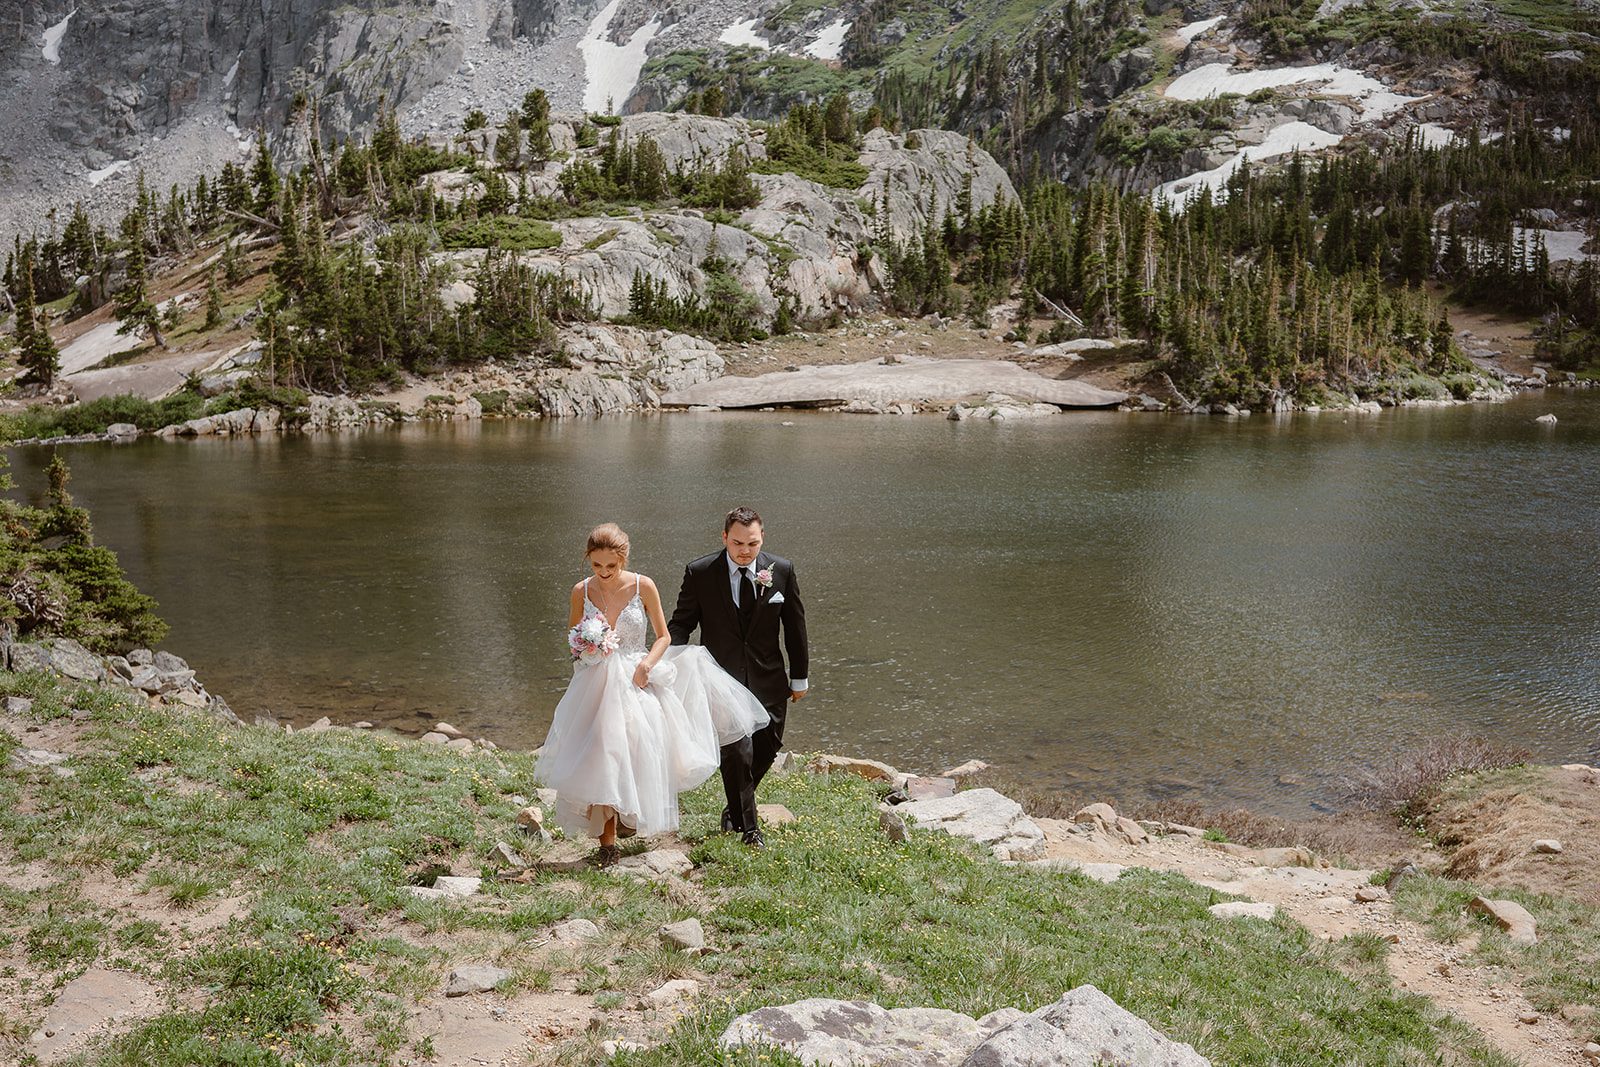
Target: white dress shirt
[[796, 685]]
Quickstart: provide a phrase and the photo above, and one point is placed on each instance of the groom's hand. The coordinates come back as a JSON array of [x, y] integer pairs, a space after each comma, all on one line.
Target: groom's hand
[[796, 695]]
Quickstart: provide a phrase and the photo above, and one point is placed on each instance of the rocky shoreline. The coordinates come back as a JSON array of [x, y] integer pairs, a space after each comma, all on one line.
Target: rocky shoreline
[[622, 370]]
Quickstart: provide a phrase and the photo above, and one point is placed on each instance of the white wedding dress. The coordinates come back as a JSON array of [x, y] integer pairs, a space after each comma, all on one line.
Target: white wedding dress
[[616, 747]]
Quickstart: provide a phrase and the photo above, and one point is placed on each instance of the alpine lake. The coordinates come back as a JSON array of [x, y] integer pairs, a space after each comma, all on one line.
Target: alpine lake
[[1127, 606]]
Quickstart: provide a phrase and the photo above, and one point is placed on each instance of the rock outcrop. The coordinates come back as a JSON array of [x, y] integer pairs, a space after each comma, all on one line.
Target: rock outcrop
[[1085, 1027]]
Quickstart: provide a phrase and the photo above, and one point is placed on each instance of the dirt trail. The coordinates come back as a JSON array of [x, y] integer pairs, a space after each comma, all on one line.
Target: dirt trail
[[1323, 899]]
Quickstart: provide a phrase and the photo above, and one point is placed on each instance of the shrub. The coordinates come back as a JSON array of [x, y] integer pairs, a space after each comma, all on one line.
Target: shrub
[[1408, 780], [510, 232]]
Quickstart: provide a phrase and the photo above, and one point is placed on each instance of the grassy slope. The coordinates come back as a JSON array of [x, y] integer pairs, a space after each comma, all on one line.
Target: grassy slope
[[186, 811]]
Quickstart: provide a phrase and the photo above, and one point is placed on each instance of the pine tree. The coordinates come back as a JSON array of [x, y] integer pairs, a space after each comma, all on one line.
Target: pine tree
[[36, 350], [713, 101], [536, 124], [264, 178], [508, 145], [132, 304], [213, 301], [837, 124], [232, 264]]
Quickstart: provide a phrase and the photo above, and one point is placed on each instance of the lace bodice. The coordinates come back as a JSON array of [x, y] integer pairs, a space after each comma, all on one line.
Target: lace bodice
[[631, 624]]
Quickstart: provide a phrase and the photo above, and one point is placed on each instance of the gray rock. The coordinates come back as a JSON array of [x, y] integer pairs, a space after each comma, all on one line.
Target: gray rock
[[322, 725], [855, 1033], [167, 663], [687, 934], [448, 730], [122, 431], [1548, 846], [457, 886], [1547, 419], [507, 856], [474, 978], [658, 865], [892, 825], [575, 932], [18, 705], [434, 738], [1243, 909], [141, 657], [58, 655], [984, 816], [672, 992], [1085, 1027]]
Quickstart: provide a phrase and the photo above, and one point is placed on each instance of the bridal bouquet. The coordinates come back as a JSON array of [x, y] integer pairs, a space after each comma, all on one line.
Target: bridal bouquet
[[592, 640]]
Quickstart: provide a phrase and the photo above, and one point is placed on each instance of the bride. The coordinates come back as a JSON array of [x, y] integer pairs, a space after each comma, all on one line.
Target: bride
[[637, 725]]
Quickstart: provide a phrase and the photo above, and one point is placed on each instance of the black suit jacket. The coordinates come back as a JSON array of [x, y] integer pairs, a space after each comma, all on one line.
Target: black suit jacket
[[752, 656]]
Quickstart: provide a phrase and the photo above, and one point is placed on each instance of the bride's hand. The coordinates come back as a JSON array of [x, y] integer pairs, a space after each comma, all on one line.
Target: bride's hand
[[641, 674]]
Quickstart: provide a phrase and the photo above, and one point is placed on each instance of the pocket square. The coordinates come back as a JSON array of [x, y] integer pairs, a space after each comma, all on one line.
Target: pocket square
[[776, 598]]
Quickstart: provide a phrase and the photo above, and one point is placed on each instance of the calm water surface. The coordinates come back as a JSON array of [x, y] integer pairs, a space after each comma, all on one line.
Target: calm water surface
[[1130, 605]]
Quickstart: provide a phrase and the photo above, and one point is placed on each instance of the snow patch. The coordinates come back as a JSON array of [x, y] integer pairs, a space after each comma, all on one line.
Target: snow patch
[[744, 33], [98, 176], [1562, 246], [1216, 79], [829, 41], [1194, 29], [612, 70], [52, 39], [233, 71], [1436, 136], [1290, 137]]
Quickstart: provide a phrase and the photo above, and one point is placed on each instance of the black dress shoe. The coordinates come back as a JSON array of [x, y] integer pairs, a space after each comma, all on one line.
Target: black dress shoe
[[754, 839], [727, 822]]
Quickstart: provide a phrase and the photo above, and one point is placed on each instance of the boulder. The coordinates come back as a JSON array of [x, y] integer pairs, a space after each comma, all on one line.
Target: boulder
[[474, 978], [659, 865], [1103, 819], [1518, 923], [967, 769], [18, 705], [122, 431], [687, 934], [1244, 909], [671, 993], [457, 886], [1547, 419], [869, 769], [1084, 1027], [1548, 846], [1371, 894], [448, 730], [433, 737], [998, 407], [774, 815], [892, 825], [919, 787], [575, 932], [58, 655], [984, 816], [855, 1033], [506, 856]]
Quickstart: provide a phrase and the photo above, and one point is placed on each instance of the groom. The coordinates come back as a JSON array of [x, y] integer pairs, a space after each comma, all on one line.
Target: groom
[[738, 598]]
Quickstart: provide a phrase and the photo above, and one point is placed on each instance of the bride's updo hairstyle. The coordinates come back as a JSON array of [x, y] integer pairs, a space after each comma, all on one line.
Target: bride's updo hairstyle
[[607, 536]]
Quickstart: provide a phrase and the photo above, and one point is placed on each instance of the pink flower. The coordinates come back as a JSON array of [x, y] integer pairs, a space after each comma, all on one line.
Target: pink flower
[[764, 577]]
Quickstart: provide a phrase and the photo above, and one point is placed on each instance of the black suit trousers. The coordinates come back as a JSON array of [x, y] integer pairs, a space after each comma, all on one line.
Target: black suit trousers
[[747, 761]]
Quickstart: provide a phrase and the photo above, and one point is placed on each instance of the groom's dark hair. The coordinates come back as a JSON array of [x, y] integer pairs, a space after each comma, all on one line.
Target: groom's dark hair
[[741, 517]]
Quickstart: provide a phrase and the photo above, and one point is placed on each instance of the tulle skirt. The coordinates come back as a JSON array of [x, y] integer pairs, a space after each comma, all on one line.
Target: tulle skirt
[[614, 747]]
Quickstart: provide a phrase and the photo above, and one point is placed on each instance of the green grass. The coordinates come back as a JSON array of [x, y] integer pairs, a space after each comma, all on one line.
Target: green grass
[[316, 833]]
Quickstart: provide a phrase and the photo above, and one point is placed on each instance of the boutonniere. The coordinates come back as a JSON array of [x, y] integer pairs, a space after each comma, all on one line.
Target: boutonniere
[[764, 577]]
